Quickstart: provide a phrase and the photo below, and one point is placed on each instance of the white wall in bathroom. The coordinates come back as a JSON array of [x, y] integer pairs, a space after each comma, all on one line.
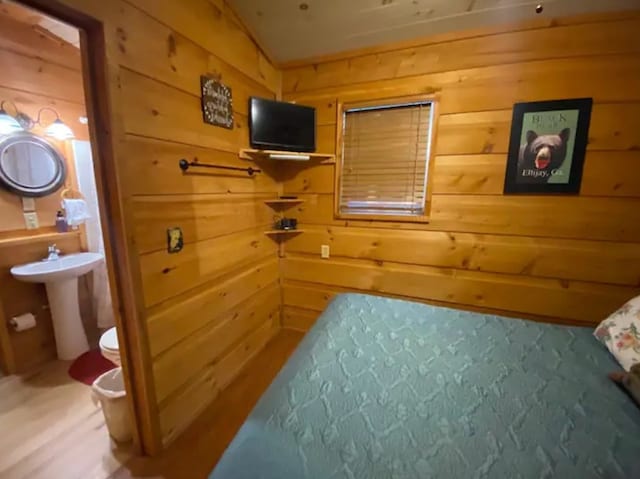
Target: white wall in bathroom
[[87, 184]]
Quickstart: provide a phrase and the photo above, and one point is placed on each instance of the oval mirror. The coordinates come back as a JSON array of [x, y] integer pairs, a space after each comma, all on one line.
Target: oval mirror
[[30, 165]]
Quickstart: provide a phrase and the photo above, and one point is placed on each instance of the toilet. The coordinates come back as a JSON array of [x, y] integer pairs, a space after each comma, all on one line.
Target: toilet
[[109, 346]]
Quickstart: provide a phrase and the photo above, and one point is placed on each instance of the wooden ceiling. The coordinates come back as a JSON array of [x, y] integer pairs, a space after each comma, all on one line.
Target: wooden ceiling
[[297, 29], [41, 23]]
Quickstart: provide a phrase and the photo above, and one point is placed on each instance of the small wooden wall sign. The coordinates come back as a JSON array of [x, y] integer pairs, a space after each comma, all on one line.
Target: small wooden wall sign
[[217, 104]]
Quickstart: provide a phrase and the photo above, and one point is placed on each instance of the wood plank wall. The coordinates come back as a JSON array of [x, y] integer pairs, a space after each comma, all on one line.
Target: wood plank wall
[[567, 259], [38, 71], [200, 314], [211, 307]]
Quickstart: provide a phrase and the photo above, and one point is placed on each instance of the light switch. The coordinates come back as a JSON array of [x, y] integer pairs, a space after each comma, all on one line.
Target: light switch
[[175, 240], [28, 204], [31, 221], [324, 251]]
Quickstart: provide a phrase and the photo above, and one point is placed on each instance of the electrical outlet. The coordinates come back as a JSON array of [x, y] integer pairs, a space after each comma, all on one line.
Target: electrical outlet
[[28, 204], [324, 251], [31, 221]]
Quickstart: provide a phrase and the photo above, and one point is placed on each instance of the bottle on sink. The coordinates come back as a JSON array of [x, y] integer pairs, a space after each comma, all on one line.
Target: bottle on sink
[[61, 222]]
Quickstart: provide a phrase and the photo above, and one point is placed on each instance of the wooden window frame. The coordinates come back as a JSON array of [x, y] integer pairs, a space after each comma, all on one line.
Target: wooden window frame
[[342, 108]]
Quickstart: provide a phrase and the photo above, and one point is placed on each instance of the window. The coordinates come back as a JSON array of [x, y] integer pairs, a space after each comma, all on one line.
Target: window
[[385, 160]]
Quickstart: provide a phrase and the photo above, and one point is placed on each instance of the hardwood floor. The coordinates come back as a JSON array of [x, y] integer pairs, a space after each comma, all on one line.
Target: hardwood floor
[[52, 430]]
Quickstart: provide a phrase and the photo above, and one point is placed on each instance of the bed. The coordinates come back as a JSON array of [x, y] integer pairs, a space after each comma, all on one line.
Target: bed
[[383, 388]]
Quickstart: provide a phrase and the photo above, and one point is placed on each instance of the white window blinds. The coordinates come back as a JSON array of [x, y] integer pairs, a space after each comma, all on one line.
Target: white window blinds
[[385, 159]]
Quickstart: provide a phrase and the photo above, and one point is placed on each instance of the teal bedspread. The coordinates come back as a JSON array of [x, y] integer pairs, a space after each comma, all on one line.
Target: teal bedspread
[[382, 388]]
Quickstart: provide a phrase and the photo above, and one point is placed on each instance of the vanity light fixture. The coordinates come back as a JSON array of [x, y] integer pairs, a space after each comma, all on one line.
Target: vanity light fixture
[[58, 129], [23, 122], [8, 124]]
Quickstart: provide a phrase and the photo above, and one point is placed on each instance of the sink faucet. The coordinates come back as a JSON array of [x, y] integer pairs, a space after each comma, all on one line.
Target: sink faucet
[[54, 253]]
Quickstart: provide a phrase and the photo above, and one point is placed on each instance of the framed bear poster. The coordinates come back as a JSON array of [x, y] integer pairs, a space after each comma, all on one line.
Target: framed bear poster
[[547, 146]]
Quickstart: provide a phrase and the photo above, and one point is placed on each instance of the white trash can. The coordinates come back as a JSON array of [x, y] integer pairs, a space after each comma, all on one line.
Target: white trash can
[[108, 390]]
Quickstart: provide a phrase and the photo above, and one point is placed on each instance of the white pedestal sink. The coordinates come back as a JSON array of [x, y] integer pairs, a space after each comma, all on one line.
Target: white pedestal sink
[[60, 277]]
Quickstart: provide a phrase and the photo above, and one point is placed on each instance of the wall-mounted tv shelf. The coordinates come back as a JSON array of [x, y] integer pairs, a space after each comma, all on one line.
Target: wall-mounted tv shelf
[[251, 154]]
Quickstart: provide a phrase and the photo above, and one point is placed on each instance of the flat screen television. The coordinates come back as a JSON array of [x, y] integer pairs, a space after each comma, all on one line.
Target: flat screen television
[[276, 125]]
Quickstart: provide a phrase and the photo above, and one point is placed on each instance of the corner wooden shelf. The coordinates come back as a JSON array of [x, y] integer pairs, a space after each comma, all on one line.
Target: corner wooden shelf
[[283, 232], [280, 236], [283, 202], [253, 155]]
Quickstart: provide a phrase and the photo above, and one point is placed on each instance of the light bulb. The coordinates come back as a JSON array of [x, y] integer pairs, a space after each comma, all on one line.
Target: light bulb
[[59, 130], [8, 124]]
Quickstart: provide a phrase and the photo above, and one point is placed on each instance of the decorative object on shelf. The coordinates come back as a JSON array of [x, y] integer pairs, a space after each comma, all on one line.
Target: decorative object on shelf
[[286, 224], [186, 164], [175, 240], [30, 165], [284, 228], [547, 147], [22, 122], [253, 155], [217, 102]]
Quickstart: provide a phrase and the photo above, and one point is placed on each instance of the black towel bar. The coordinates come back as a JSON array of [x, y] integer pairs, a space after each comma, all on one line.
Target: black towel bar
[[186, 164]]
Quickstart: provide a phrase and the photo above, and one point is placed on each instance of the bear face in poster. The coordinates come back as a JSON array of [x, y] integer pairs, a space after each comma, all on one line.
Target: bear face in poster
[[547, 147], [542, 157]]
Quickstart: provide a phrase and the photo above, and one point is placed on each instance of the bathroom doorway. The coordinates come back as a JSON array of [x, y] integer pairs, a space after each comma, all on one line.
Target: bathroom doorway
[[53, 88]]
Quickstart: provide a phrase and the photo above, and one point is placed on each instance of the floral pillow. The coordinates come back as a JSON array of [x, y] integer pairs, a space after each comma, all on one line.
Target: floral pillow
[[620, 332]]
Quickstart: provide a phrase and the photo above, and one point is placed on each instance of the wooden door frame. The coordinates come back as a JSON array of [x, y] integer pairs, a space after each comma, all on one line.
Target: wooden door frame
[[105, 128]]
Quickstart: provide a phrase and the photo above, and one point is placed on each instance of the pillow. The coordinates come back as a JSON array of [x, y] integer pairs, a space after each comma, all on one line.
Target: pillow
[[620, 332]]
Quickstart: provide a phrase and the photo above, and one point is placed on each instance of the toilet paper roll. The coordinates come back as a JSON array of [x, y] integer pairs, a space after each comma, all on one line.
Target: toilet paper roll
[[23, 322]]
